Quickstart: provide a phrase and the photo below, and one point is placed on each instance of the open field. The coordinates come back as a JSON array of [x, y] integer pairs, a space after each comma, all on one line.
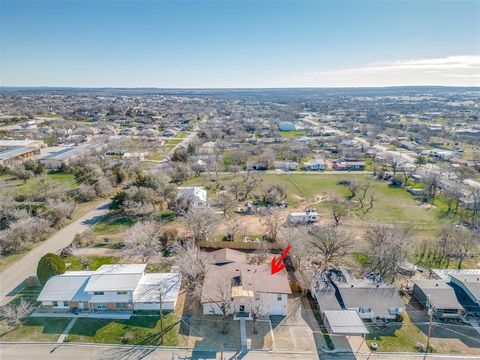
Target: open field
[[292, 133], [51, 183], [392, 205]]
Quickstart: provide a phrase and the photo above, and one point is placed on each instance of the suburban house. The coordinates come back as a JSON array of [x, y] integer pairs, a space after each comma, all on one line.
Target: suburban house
[[371, 298], [123, 287], [285, 165], [313, 165], [247, 284], [469, 283], [439, 296], [192, 197], [348, 165]]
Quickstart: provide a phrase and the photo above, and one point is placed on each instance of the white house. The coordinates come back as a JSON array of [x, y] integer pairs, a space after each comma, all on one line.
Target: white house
[[249, 284], [123, 287], [192, 196]]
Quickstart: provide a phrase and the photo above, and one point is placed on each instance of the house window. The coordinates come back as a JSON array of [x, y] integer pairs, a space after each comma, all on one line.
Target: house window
[[98, 293], [120, 305], [122, 292], [101, 306], [257, 297], [65, 303], [242, 307], [279, 297], [55, 304]]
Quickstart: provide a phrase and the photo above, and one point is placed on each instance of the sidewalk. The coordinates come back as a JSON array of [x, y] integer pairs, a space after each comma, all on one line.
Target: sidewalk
[[67, 329]]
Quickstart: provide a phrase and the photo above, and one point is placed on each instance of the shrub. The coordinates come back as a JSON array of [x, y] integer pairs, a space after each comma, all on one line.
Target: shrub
[[48, 266]]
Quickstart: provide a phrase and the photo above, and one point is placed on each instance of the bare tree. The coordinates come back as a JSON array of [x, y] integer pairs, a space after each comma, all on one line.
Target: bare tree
[[305, 280], [445, 242], [387, 248], [225, 202], [144, 239], [22, 233], [340, 210], [222, 299], [250, 182], [59, 210], [297, 238], [191, 263], [16, 314], [260, 254], [202, 223], [464, 241], [331, 244], [273, 224], [258, 310]]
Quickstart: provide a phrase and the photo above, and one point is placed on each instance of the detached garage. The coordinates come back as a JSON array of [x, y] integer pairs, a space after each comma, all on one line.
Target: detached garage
[[152, 287]]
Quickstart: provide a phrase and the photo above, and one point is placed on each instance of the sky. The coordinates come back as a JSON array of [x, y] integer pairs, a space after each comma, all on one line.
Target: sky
[[239, 44]]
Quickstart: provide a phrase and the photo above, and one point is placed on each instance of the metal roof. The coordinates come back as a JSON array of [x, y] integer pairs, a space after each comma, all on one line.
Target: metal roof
[[345, 322], [64, 287], [123, 277], [148, 289]]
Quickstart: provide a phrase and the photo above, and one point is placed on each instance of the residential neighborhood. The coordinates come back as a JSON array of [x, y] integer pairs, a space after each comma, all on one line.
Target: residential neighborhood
[[255, 180]]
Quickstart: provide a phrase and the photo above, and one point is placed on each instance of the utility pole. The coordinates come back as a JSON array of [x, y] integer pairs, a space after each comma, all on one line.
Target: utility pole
[[221, 352], [160, 295], [430, 315]]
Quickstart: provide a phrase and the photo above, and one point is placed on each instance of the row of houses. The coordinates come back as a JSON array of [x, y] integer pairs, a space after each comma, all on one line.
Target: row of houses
[[126, 288]]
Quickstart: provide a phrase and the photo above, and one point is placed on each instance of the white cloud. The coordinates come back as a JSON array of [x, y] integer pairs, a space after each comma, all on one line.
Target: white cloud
[[461, 70]]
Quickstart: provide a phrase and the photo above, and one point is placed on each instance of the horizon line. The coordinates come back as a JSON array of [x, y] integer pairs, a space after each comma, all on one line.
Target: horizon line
[[237, 88]]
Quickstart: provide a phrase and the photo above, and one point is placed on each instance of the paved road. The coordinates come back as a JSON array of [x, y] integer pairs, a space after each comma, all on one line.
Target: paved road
[[99, 352], [114, 352], [14, 275]]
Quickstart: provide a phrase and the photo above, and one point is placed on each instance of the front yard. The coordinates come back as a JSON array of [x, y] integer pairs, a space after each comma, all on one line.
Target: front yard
[[138, 330], [34, 329]]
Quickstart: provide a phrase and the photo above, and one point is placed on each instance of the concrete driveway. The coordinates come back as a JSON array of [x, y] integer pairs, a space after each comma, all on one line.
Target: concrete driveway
[[299, 331]]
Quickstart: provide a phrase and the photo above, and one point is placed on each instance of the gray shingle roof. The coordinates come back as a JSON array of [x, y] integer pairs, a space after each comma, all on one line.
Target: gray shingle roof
[[440, 294]]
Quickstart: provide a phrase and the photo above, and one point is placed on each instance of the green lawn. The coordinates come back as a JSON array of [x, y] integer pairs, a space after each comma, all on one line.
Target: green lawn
[[292, 133], [171, 143], [56, 182], [34, 329], [95, 262], [181, 134], [139, 330], [397, 338], [112, 225]]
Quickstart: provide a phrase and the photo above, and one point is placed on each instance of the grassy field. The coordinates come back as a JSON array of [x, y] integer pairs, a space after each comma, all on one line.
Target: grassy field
[[171, 143], [292, 133], [112, 225], [138, 330], [393, 204], [55, 183]]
